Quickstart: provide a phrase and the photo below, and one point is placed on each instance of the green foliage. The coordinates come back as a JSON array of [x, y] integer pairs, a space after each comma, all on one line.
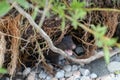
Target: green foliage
[[40, 3], [23, 3], [106, 54], [4, 7], [34, 14], [59, 8], [3, 71], [102, 41], [76, 12]]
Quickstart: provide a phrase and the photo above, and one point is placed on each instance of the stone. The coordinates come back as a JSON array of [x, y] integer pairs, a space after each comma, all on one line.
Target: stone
[[67, 68], [85, 78], [31, 76], [26, 71], [76, 74], [48, 78], [42, 75], [54, 79], [84, 72], [118, 77], [62, 79], [74, 67], [114, 66], [79, 50], [70, 78], [60, 74], [68, 74], [93, 75]]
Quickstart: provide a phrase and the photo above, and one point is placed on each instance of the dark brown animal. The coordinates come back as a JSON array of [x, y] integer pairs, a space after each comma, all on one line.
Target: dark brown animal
[[66, 45]]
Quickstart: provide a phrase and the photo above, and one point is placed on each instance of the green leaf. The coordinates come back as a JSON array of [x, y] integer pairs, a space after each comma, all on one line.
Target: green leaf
[[23, 3], [99, 43], [35, 13], [3, 71], [82, 14], [111, 42], [4, 7], [75, 24], [107, 54], [59, 8], [75, 4]]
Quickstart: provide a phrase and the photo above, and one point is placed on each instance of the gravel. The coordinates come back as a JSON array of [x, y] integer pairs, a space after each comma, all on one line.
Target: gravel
[[26, 71], [74, 68], [68, 74], [93, 75], [60, 74], [84, 72], [67, 68], [42, 75]]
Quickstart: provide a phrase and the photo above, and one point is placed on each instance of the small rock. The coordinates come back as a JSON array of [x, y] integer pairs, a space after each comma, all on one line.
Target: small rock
[[31, 76], [42, 75], [79, 50], [118, 77], [48, 77], [84, 72], [85, 78], [76, 74], [77, 79], [93, 75], [68, 74], [7, 79], [114, 66], [62, 79], [60, 74], [26, 71], [54, 79], [70, 78], [67, 68], [74, 67]]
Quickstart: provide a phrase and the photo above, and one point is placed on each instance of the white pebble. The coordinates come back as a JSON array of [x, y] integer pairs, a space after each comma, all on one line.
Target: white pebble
[[67, 68], [54, 79], [114, 66], [76, 74], [74, 67], [60, 74], [84, 72], [26, 71], [70, 78], [68, 74], [42, 75], [48, 77], [93, 75], [62, 79], [118, 77], [31, 76], [85, 78]]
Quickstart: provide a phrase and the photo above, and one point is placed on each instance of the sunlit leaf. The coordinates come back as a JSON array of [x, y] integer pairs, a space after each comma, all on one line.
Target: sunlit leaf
[[35, 13], [107, 54], [3, 71], [23, 3], [4, 7]]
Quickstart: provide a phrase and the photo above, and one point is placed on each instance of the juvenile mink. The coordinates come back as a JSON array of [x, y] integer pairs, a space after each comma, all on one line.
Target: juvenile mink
[[66, 45]]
